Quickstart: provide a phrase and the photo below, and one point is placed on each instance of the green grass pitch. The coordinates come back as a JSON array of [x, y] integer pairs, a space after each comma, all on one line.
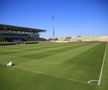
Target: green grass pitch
[[52, 66]]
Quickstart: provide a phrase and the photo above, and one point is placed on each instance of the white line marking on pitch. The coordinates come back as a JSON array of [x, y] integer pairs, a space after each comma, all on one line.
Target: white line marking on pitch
[[53, 76], [92, 81], [101, 71]]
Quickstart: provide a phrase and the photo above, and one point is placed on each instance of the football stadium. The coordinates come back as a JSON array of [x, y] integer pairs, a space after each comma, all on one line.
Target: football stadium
[[67, 63]]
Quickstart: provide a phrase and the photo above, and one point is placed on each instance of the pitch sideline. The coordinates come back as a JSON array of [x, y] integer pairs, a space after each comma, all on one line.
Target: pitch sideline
[[101, 71]]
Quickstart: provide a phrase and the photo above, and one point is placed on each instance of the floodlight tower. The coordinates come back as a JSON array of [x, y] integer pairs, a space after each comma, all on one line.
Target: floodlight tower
[[53, 22]]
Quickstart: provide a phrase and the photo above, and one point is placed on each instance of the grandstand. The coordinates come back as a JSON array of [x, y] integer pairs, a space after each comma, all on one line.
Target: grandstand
[[102, 38], [10, 33], [68, 38]]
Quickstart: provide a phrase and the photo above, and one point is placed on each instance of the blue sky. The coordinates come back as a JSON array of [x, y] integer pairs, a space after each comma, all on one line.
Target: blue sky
[[72, 17]]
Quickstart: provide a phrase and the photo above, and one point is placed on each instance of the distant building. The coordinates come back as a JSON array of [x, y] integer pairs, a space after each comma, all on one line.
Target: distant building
[[12, 33]]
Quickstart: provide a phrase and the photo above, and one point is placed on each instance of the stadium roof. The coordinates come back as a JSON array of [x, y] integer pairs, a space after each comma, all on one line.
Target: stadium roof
[[19, 28]]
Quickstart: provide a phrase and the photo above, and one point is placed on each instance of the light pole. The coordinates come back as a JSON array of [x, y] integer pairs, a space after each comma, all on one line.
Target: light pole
[[53, 29]]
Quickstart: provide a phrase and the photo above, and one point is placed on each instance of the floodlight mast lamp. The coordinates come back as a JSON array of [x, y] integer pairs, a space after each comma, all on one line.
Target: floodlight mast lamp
[[53, 21]]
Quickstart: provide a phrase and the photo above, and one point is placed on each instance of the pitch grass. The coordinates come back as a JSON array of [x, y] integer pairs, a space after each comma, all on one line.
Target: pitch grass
[[49, 66]]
